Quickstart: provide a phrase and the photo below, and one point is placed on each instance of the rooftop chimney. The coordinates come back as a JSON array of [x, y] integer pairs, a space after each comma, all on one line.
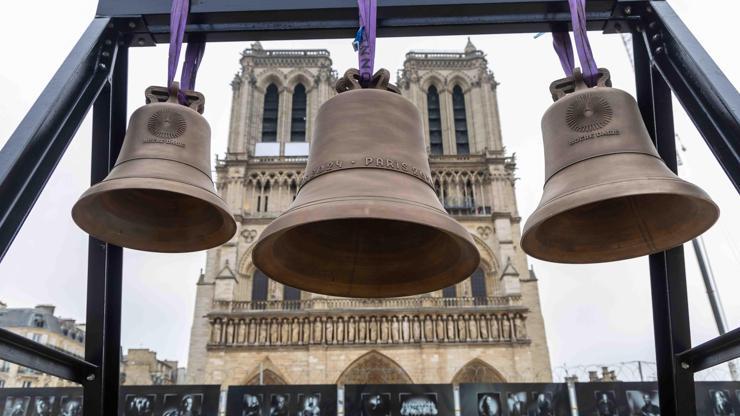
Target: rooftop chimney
[[46, 308]]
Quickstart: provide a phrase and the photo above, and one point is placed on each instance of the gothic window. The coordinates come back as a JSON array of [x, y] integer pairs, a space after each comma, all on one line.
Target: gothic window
[[461, 123], [478, 286], [435, 121], [298, 115], [449, 292], [293, 190], [259, 286], [270, 114], [292, 296], [469, 200], [265, 194]]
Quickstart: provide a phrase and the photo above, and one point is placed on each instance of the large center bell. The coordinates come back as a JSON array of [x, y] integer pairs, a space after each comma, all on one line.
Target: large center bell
[[159, 196], [608, 195], [366, 221]]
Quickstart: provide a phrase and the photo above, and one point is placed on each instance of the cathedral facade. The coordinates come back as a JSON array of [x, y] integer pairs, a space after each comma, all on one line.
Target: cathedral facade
[[250, 329]]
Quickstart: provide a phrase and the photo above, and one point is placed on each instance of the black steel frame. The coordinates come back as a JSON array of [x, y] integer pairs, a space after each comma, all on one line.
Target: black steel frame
[[668, 59]]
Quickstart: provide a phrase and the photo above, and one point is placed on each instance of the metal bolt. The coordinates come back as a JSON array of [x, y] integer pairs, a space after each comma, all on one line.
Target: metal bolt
[[627, 10], [659, 50], [102, 66], [653, 25], [105, 54], [617, 27], [140, 42], [649, 9], [132, 25], [685, 366], [90, 377], [656, 38], [108, 42]]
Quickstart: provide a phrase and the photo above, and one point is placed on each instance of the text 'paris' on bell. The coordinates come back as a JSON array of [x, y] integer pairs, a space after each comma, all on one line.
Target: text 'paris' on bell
[[159, 196], [608, 195], [366, 221]]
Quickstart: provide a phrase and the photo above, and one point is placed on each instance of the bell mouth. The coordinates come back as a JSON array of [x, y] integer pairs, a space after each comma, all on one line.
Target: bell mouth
[[622, 227], [153, 214], [377, 254]]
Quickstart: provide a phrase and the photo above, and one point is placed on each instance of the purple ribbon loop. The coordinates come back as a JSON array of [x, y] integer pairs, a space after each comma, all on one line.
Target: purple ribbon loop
[[564, 49], [366, 52], [193, 53]]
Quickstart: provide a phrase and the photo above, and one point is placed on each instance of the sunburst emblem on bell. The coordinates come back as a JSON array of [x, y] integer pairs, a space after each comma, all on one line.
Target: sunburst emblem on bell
[[160, 196], [366, 221], [608, 195]]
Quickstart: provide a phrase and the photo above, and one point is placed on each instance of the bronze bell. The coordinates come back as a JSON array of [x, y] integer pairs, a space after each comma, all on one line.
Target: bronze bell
[[366, 221], [159, 196], [607, 195]]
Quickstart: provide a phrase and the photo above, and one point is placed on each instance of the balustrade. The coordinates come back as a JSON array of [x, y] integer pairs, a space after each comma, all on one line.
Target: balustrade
[[368, 329]]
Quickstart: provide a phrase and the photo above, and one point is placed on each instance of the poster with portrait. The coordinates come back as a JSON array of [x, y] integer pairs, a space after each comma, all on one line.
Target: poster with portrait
[[643, 402], [618, 399], [16, 406], [183, 400], [398, 400], [42, 405], [70, 405], [514, 399], [282, 400], [139, 404], [41, 401], [718, 398]]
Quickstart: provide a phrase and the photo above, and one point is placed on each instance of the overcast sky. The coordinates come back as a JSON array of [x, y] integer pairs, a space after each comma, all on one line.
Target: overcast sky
[[593, 313]]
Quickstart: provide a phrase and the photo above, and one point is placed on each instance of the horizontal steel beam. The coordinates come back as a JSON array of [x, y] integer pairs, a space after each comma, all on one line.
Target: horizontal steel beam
[[233, 20], [706, 94], [713, 352], [29, 157], [23, 351]]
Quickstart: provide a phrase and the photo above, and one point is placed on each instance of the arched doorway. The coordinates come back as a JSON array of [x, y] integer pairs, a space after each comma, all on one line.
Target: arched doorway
[[269, 377], [374, 368], [477, 371]]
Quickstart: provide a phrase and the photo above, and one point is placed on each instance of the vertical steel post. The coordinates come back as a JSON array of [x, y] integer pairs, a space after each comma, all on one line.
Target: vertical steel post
[[667, 271], [103, 330]]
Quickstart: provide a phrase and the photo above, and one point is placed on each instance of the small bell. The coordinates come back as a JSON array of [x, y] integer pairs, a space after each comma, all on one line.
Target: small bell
[[160, 196], [366, 221], [607, 195]]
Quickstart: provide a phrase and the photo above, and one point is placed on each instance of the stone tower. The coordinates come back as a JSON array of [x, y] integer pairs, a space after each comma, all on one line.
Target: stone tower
[[247, 327]]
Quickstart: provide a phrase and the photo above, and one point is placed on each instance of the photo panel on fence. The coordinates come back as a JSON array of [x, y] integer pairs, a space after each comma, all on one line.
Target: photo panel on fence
[[718, 398], [282, 400], [398, 400], [57, 401], [514, 399], [618, 399], [182, 400]]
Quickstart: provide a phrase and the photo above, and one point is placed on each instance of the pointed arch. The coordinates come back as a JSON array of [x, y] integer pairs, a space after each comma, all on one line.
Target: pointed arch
[[432, 78], [271, 375], [374, 368], [478, 371]]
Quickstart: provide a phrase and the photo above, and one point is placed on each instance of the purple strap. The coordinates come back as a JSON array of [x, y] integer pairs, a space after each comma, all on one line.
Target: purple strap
[[366, 53], [193, 53], [564, 49]]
